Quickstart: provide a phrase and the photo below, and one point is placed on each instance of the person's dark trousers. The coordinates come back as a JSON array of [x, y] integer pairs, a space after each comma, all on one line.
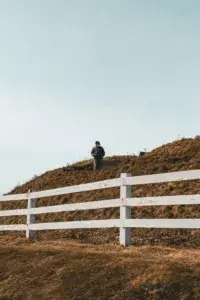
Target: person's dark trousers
[[97, 164]]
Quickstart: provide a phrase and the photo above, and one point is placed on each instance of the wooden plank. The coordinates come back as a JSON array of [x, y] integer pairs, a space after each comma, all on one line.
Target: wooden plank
[[31, 204], [131, 202], [76, 206], [128, 223], [78, 188], [164, 177], [76, 224], [125, 212], [14, 197], [15, 227], [13, 212], [163, 200], [162, 223], [63, 207]]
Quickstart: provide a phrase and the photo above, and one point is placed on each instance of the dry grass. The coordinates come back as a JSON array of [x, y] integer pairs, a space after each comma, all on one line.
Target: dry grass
[[94, 267], [67, 270], [176, 156]]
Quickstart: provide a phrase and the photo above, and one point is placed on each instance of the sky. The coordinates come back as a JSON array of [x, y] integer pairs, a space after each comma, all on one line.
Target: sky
[[72, 72]]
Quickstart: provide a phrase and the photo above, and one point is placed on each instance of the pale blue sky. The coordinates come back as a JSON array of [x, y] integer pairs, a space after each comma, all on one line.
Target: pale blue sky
[[124, 72]]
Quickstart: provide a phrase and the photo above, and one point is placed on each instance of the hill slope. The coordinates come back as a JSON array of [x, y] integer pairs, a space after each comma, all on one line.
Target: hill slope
[[176, 156], [65, 270]]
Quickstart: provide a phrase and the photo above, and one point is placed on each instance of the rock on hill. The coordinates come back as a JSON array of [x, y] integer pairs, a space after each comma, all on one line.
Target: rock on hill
[[179, 155]]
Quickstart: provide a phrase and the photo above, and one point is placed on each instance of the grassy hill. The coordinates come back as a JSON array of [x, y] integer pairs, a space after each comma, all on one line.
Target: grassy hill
[[70, 265], [65, 270], [180, 155]]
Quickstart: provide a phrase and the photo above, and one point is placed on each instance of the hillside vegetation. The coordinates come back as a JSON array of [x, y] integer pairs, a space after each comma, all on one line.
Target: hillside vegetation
[[65, 270], [179, 155], [70, 265]]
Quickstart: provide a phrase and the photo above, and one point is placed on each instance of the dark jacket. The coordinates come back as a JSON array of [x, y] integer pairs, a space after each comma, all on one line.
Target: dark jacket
[[98, 152]]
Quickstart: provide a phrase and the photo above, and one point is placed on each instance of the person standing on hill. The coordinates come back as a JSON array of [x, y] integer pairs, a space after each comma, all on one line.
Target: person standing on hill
[[98, 154]]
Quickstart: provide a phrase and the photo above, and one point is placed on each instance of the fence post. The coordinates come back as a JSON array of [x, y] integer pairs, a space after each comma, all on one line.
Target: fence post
[[30, 234], [125, 212]]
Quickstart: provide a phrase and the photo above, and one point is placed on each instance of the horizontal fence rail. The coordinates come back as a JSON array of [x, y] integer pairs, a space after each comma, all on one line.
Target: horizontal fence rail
[[16, 197], [78, 188], [164, 177], [129, 223], [62, 208], [105, 184], [13, 227], [124, 203], [131, 202], [163, 200]]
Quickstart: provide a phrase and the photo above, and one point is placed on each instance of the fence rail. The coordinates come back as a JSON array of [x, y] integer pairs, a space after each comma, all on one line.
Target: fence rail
[[124, 203]]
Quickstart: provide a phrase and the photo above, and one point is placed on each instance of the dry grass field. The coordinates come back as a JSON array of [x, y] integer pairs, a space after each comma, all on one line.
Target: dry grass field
[[62, 270], [89, 264]]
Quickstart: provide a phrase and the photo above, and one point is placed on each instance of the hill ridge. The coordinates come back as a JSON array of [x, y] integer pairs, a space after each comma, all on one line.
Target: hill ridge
[[176, 156]]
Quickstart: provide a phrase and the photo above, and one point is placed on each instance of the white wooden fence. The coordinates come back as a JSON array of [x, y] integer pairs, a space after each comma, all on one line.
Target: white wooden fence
[[125, 203]]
